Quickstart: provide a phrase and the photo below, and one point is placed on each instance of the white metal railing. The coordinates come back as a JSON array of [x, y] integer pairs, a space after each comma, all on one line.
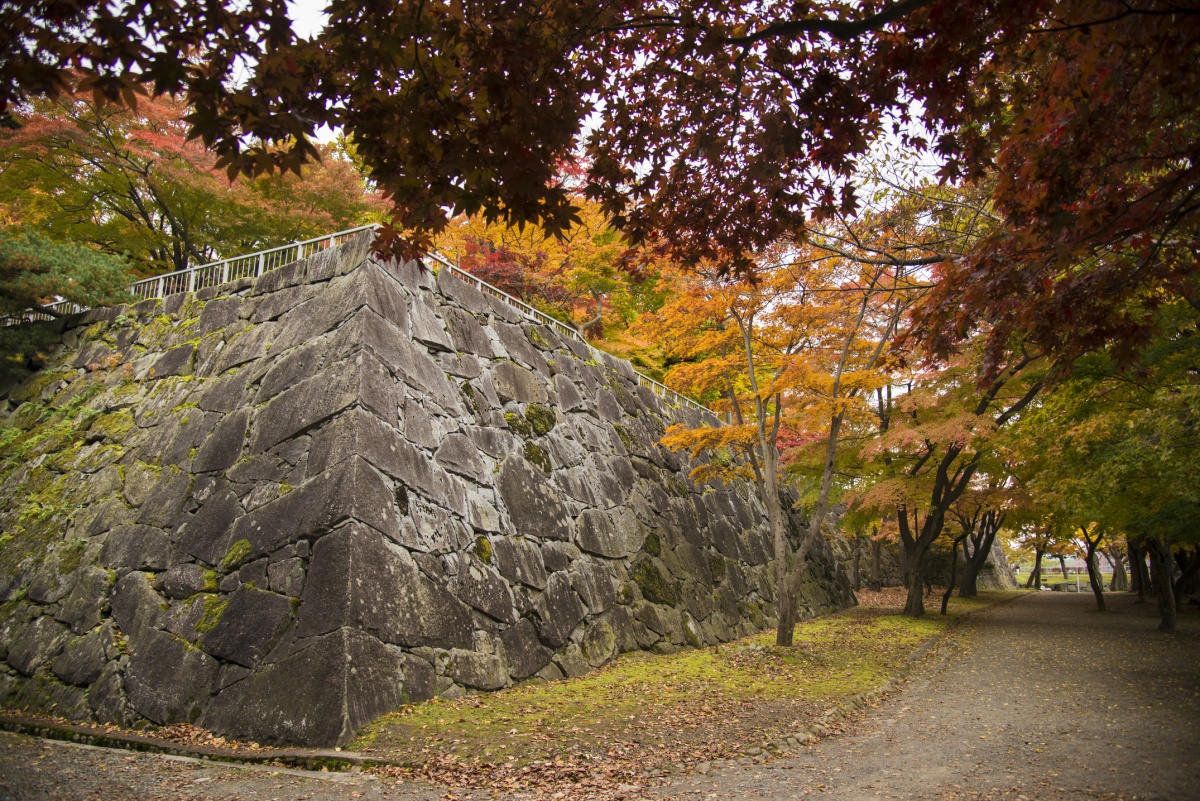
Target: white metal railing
[[537, 315], [212, 274], [252, 265]]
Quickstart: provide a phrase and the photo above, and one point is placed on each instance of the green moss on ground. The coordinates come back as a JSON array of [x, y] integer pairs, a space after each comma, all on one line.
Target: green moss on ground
[[705, 703]]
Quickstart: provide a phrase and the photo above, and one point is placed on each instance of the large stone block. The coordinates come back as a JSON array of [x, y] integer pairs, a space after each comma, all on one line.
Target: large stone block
[[250, 624], [357, 579], [352, 490], [319, 695], [169, 681], [534, 508]]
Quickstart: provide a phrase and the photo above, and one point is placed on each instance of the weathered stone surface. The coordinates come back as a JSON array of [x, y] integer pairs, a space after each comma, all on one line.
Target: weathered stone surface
[[361, 434], [481, 587], [184, 581], [594, 584], [82, 661], [167, 680], [248, 626], [595, 533], [525, 655], [319, 695], [174, 362], [287, 576], [520, 561], [86, 604], [136, 547], [516, 383], [223, 447], [206, 534], [364, 380], [480, 671], [356, 579], [41, 640], [353, 491], [427, 328], [560, 611], [533, 506], [135, 605], [458, 454]]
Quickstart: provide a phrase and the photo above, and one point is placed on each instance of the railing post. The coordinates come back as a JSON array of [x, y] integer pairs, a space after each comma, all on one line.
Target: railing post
[[258, 268]]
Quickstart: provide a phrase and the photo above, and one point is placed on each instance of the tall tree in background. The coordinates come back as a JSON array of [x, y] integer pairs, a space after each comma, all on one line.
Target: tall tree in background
[[130, 182], [796, 353]]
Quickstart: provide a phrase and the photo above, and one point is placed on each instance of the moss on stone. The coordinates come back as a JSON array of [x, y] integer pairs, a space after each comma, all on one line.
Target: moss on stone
[[70, 556], [235, 555], [214, 608], [112, 426], [535, 336], [541, 419], [535, 454], [716, 566], [32, 388], [676, 487], [211, 580], [654, 587], [653, 544], [483, 550], [471, 396], [518, 424], [627, 439]]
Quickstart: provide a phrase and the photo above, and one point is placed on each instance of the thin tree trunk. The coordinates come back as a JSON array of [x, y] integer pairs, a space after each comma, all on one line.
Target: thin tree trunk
[[1120, 579], [1092, 568], [1062, 565], [855, 571], [1035, 575], [1137, 563], [1160, 565], [876, 549], [953, 571]]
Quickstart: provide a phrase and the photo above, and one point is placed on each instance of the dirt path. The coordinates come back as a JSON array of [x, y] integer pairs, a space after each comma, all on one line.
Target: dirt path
[[1040, 700]]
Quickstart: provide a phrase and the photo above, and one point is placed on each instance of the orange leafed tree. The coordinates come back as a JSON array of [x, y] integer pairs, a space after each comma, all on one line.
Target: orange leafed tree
[[789, 359]]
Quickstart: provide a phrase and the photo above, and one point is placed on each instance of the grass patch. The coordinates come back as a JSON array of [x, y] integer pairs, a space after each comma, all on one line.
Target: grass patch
[[659, 710]]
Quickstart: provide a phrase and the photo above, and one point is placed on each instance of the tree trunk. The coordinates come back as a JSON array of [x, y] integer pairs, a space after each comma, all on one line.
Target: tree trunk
[[1137, 565], [855, 572], [1189, 565], [876, 549], [1093, 571], [914, 558], [1120, 579], [1035, 575], [1160, 565], [953, 570], [1062, 565]]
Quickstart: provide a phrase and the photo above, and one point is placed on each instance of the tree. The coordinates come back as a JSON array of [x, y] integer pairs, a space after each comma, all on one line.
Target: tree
[[719, 127], [1116, 447], [35, 271], [795, 353], [934, 443], [580, 276], [131, 183]]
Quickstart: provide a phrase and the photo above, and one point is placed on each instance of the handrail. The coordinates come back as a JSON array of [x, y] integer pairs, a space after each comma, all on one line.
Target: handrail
[[657, 387], [253, 265]]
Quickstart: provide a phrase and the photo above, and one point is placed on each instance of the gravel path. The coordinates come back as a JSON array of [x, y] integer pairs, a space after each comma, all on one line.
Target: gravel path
[[1041, 699]]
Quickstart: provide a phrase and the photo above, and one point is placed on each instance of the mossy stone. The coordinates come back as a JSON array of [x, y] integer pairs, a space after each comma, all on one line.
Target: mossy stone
[[483, 550], [653, 544], [627, 439], [654, 587], [541, 419], [534, 454], [716, 566], [214, 608], [518, 424], [234, 556]]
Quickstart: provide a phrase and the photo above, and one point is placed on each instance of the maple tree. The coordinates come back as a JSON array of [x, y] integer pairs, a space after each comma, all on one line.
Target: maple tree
[[1114, 451], [581, 276], [130, 182], [791, 359]]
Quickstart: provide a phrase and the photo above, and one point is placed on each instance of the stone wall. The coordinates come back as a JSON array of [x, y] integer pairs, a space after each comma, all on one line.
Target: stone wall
[[286, 507]]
